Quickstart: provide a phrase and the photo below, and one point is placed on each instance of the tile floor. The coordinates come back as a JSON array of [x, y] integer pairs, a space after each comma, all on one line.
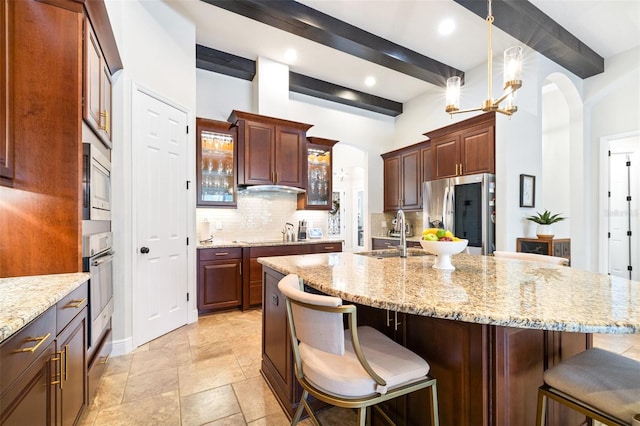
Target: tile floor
[[208, 373]]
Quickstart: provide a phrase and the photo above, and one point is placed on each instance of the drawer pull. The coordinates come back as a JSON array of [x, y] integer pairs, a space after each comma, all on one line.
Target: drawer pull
[[75, 303], [222, 254], [32, 349], [329, 247]]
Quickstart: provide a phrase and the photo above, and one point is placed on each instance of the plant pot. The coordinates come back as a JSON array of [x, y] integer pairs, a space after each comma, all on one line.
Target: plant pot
[[544, 232]]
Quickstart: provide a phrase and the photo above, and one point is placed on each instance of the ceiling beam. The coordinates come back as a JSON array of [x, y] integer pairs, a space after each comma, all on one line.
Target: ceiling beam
[[303, 21], [235, 66], [522, 20], [332, 92]]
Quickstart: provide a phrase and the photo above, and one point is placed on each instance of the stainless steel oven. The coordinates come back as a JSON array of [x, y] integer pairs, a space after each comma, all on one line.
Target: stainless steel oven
[[96, 184], [98, 261]]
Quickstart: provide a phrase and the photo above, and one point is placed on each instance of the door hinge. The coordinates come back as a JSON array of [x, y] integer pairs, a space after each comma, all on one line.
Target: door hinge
[[608, 234], [187, 240], [187, 129], [188, 183], [187, 297], [609, 152], [609, 194]]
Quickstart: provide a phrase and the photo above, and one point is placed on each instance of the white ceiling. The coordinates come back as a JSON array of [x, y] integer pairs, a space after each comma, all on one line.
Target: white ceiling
[[608, 27]]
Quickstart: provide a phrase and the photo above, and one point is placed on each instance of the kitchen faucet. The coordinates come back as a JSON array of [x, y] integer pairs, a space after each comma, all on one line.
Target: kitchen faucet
[[403, 237]]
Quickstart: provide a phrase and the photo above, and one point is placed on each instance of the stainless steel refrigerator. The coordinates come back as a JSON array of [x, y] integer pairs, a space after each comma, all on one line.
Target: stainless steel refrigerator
[[465, 205]]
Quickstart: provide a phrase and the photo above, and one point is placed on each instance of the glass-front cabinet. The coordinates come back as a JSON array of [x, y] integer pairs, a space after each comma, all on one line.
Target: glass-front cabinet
[[319, 175], [216, 152]]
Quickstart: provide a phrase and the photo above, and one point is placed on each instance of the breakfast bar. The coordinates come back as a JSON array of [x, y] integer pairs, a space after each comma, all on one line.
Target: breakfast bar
[[488, 329]]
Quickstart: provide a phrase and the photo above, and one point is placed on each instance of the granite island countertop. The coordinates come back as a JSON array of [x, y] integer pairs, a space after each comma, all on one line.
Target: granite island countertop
[[482, 289], [22, 299], [257, 242]]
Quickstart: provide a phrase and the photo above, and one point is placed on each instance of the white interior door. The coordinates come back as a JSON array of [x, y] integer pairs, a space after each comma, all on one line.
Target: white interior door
[[160, 205], [624, 193]]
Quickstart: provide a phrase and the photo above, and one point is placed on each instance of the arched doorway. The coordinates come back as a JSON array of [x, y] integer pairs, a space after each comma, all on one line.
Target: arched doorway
[[563, 181]]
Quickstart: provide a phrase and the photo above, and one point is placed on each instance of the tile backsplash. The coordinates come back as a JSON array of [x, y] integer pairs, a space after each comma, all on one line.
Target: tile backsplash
[[259, 216], [377, 220]]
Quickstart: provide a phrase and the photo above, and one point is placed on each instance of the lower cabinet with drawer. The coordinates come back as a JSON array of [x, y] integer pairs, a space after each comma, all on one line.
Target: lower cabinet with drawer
[[560, 247], [43, 369], [386, 243], [219, 279]]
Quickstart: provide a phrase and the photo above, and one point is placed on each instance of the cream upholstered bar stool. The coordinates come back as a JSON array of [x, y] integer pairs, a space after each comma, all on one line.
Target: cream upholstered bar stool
[[354, 369], [602, 385], [533, 257]]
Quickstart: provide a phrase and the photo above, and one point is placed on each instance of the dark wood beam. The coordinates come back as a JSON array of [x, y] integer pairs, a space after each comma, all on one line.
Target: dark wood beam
[[224, 63], [311, 24], [530, 25], [236, 66], [321, 89]]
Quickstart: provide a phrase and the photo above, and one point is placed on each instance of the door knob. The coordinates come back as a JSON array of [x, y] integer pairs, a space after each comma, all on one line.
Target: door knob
[[144, 250]]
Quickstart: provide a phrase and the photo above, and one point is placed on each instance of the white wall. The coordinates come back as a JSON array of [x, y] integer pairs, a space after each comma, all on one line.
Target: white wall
[[157, 48], [612, 107]]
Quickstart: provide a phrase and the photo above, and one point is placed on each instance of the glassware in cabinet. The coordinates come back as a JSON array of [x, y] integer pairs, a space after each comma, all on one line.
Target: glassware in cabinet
[[216, 163], [319, 175]]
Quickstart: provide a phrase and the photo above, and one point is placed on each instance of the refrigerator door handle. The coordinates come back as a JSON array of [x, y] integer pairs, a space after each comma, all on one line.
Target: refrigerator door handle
[[445, 207], [451, 209]]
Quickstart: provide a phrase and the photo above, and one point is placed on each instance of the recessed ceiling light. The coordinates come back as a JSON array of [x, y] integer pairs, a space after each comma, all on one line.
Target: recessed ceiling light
[[370, 81], [447, 26], [290, 56]]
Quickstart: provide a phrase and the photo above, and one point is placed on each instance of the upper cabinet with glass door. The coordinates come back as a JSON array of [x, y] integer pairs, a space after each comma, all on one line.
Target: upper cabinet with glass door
[[216, 162], [319, 175]]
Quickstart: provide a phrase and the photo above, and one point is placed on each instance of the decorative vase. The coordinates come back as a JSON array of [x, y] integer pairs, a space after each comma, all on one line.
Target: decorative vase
[[544, 232]]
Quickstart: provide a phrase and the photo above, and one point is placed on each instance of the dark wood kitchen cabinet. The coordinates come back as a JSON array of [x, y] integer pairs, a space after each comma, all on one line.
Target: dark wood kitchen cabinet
[[402, 179], [219, 279], [559, 247], [319, 182], [463, 148], [43, 373], [270, 150], [6, 145], [216, 153], [96, 87], [404, 171], [43, 47]]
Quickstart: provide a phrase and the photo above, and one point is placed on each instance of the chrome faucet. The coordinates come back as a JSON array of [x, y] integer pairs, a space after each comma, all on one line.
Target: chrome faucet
[[403, 237]]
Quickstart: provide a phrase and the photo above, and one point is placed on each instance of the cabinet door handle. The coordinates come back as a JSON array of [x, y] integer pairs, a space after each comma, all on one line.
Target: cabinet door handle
[[104, 114], [222, 254], [33, 348], [62, 376], [275, 300], [456, 169], [74, 304], [460, 169]]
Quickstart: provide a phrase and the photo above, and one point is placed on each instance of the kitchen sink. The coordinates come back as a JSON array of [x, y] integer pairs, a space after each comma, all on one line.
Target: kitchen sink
[[392, 253]]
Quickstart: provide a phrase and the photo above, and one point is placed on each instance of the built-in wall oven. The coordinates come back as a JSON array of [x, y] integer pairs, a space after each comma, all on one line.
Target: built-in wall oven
[[98, 261], [96, 184]]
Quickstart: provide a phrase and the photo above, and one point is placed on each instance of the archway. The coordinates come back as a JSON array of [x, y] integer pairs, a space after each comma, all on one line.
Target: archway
[[563, 179]]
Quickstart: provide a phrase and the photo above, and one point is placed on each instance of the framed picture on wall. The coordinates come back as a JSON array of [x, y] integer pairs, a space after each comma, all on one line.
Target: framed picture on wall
[[527, 191]]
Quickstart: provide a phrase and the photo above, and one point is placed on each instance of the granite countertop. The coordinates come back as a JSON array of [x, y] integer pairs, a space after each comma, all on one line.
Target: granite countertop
[[482, 289], [22, 299], [263, 242]]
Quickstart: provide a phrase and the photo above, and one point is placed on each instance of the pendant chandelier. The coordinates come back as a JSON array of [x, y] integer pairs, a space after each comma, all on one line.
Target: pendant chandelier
[[512, 80]]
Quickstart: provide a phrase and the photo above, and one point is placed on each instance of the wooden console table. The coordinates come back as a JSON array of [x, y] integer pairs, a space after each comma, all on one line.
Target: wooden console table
[[551, 247]]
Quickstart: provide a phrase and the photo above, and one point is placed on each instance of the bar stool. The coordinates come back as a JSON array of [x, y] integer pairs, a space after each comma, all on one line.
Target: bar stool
[[603, 385], [357, 369]]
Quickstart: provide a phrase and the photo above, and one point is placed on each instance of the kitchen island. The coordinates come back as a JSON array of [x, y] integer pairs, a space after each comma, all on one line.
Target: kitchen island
[[489, 329]]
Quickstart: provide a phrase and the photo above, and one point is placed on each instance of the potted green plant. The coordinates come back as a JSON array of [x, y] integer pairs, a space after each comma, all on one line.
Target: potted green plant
[[544, 221]]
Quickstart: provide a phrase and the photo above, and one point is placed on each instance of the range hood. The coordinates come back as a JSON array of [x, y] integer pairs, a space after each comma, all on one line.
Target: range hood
[[272, 188]]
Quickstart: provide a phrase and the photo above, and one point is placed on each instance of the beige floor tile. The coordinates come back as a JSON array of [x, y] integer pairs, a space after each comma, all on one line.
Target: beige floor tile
[[208, 406], [159, 359], [177, 337], [111, 391], [235, 420], [213, 350], [208, 374], [152, 383], [277, 419], [118, 364], [163, 409], [256, 399]]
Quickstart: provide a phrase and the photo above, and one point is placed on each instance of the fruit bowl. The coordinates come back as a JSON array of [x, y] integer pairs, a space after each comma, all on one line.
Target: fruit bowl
[[443, 251]]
